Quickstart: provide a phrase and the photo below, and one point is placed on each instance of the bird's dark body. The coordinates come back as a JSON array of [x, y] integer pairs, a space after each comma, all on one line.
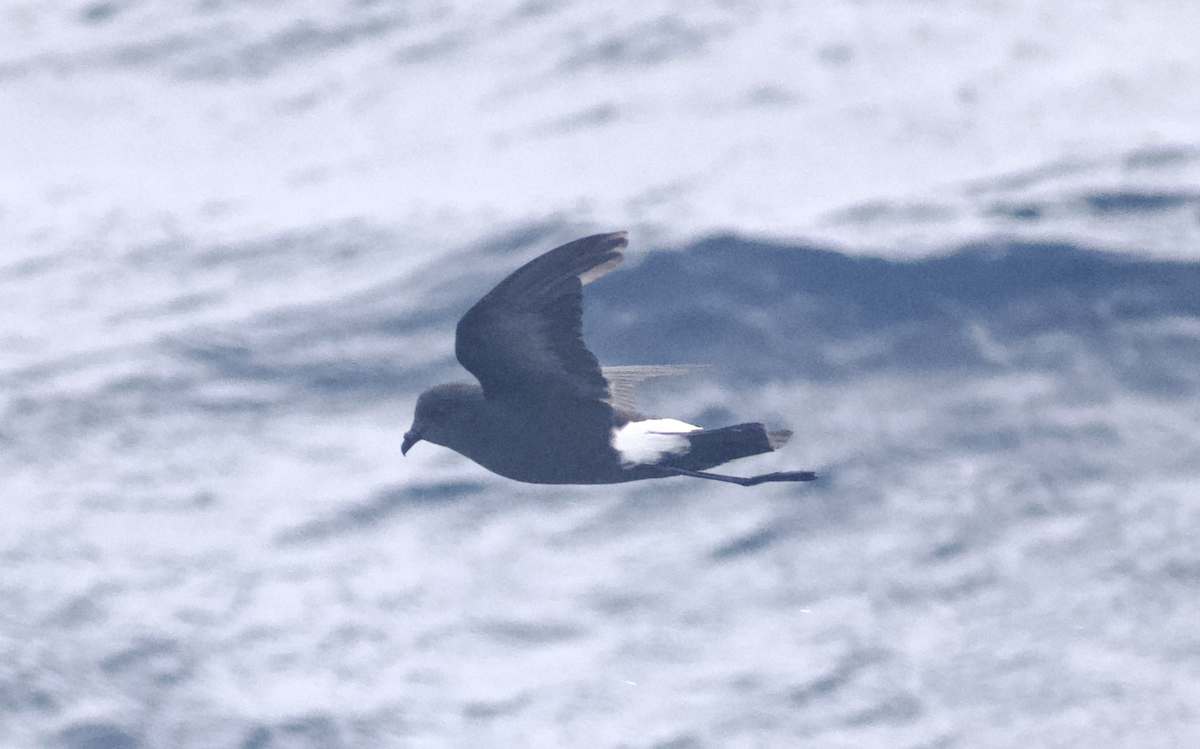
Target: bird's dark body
[[544, 411], [548, 447], [547, 442]]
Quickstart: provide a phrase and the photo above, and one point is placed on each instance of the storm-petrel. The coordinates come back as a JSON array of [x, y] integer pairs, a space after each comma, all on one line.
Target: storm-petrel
[[545, 412]]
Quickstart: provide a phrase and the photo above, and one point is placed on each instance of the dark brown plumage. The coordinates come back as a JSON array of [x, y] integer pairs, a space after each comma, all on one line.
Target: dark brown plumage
[[544, 410]]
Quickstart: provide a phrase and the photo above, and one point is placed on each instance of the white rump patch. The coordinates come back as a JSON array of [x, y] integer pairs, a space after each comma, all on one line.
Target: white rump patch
[[642, 442]]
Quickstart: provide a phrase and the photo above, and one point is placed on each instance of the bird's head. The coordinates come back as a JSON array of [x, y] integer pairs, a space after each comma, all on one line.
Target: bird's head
[[444, 415]]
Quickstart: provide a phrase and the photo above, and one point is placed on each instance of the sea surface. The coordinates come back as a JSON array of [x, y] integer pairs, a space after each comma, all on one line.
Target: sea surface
[[954, 247]]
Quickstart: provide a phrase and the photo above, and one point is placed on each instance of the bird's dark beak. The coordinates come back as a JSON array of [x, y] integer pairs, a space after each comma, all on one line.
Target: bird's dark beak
[[411, 437]]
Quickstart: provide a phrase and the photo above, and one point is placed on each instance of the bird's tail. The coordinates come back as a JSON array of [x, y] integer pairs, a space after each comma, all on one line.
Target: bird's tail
[[712, 447]]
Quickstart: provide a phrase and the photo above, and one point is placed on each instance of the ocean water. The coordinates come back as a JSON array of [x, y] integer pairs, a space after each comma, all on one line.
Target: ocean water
[[955, 248]]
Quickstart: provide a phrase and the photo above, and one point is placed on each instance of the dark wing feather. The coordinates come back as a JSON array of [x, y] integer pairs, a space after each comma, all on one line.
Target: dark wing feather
[[526, 336]]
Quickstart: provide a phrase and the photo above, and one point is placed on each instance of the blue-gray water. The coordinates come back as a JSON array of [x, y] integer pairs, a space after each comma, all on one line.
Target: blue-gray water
[[213, 541], [235, 241]]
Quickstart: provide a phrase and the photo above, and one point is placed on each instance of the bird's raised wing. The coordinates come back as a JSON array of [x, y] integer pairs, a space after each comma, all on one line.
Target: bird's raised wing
[[525, 338]]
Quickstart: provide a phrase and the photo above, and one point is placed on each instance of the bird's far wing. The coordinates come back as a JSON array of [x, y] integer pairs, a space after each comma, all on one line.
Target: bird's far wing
[[526, 336], [625, 381]]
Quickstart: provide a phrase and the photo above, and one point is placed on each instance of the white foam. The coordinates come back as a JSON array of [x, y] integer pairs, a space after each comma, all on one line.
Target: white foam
[[877, 140], [642, 442]]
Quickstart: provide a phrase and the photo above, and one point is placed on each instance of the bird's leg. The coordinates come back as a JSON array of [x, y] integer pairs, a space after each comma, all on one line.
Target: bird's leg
[[748, 480]]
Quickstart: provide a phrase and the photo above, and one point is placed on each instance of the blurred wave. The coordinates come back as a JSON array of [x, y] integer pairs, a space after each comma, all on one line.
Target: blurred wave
[[758, 311], [777, 311], [239, 236], [213, 540]]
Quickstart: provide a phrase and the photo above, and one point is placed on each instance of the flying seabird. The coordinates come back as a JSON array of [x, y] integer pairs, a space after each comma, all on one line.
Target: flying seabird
[[545, 412]]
